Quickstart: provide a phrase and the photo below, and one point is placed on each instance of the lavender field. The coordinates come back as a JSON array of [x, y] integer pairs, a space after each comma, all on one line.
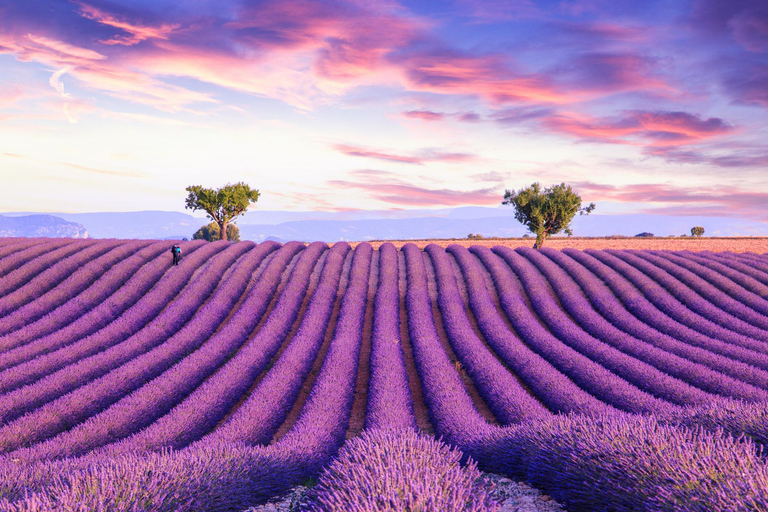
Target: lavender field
[[610, 379]]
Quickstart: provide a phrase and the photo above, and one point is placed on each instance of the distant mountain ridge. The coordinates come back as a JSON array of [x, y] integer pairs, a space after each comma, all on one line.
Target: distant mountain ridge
[[40, 225], [261, 225]]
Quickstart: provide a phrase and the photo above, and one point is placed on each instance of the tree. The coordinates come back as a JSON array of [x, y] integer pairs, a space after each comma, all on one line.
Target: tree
[[211, 232], [222, 205], [697, 231], [548, 211]]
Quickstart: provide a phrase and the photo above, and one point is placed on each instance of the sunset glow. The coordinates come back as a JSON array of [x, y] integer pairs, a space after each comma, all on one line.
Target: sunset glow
[[336, 105]]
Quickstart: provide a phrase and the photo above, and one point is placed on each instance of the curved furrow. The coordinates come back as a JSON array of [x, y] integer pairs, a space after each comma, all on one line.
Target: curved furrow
[[508, 400], [583, 313], [554, 389], [55, 280], [683, 286], [44, 356], [631, 369], [38, 273], [710, 286], [420, 408], [444, 392], [11, 266], [665, 302], [650, 325], [321, 428], [80, 317], [314, 371], [77, 371], [477, 397], [88, 394], [203, 354], [9, 246], [199, 412], [735, 285], [362, 382], [730, 263], [263, 412], [586, 373], [79, 282], [390, 404]]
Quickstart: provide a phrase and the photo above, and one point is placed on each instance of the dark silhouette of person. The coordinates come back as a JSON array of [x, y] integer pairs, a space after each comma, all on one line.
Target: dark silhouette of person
[[176, 250]]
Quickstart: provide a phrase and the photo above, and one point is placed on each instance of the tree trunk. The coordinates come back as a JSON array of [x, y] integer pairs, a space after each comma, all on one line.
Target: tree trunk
[[540, 237], [223, 230]]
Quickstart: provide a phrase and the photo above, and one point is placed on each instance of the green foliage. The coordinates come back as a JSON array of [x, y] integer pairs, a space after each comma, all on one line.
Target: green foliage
[[697, 231], [475, 236], [546, 211], [223, 204], [212, 232]]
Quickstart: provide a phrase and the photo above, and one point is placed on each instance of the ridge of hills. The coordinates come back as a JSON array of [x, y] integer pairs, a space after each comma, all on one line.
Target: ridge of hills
[[259, 225]]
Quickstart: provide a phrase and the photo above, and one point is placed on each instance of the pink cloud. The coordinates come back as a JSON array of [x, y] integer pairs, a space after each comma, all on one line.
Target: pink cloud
[[424, 115], [643, 128], [413, 196], [136, 32], [426, 155], [738, 202], [489, 77]]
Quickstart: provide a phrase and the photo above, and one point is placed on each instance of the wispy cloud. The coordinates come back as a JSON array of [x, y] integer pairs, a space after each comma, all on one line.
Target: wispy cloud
[[135, 32], [719, 200], [413, 196], [420, 158]]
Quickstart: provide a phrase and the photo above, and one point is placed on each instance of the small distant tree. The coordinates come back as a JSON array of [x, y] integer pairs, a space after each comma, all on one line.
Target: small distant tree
[[697, 231], [222, 205], [211, 232], [645, 234], [546, 211]]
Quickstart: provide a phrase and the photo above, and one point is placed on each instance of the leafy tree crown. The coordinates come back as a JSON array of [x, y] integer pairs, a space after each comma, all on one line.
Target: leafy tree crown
[[223, 204], [546, 211]]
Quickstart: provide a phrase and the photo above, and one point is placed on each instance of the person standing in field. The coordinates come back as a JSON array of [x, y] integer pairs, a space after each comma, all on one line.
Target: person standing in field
[[176, 251]]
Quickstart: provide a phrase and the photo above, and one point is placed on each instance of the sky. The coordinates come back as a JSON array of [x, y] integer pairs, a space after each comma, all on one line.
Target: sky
[[653, 106]]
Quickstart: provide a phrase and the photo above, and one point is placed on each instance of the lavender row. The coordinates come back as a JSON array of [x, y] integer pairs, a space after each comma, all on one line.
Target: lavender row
[[731, 270], [729, 290], [451, 410], [198, 354], [390, 404], [45, 272], [11, 266], [322, 424], [46, 355], [631, 369], [554, 389], [85, 370], [586, 373], [627, 463], [503, 393], [387, 470], [667, 315], [699, 278], [86, 288], [654, 269], [582, 312], [75, 320], [65, 277], [203, 409], [14, 245], [273, 397], [685, 343], [78, 281], [664, 301], [731, 265]]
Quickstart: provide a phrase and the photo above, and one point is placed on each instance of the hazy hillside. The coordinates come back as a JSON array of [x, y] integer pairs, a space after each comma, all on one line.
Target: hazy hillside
[[40, 226], [383, 225]]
